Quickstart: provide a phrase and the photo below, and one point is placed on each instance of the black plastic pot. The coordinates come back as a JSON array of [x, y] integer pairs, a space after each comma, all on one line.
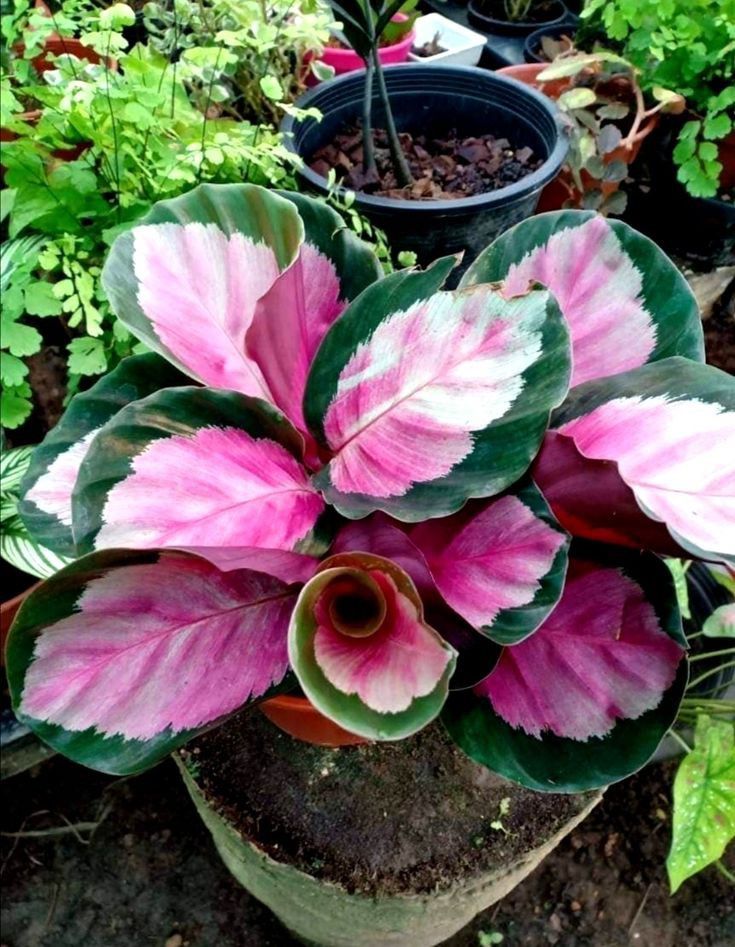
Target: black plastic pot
[[532, 43], [435, 100], [489, 16]]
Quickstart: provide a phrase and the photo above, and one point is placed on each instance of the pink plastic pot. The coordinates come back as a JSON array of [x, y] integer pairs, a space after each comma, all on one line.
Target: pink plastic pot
[[347, 60]]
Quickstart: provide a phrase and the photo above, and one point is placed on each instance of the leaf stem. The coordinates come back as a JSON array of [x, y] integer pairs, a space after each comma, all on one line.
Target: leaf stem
[[724, 872], [368, 145], [705, 655], [703, 677], [680, 740], [400, 165]]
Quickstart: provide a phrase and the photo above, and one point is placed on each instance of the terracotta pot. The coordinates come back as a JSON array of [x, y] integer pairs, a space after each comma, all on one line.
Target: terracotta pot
[[347, 60], [563, 188], [8, 611], [297, 717]]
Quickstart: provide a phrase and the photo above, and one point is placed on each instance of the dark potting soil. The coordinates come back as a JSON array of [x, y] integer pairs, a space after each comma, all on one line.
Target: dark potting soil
[[149, 875], [424, 814], [719, 332], [448, 168]]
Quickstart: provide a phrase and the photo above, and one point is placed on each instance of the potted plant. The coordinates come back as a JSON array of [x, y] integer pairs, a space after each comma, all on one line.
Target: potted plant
[[549, 42], [440, 158], [607, 121], [516, 17], [394, 43], [659, 41], [439, 40], [361, 469]]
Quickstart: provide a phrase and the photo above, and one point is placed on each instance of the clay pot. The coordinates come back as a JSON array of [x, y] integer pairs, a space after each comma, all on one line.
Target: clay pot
[[563, 188], [726, 156], [298, 717]]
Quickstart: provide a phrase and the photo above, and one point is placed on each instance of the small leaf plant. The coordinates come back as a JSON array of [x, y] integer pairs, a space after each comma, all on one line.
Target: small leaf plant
[[407, 502], [604, 110]]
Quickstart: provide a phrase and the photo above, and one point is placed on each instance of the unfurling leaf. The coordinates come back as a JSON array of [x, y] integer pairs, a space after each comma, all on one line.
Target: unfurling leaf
[[704, 801], [352, 628]]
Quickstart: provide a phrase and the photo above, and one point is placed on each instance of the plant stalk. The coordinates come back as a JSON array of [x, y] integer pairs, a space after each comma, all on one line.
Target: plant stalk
[[368, 144], [400, 165]]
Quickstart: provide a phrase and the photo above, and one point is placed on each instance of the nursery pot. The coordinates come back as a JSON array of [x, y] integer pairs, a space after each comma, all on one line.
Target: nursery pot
[[347, 60], [490, 16], [435, 100], [563, 188], [386, 845], [532, 43]]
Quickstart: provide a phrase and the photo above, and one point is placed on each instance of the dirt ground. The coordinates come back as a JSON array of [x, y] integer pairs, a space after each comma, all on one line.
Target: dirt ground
[[149, 875]]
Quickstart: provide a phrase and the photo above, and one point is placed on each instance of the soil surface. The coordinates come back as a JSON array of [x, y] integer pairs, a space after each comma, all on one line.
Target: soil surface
[[427, 814], [149, 874], [448, 168], [719, 332]]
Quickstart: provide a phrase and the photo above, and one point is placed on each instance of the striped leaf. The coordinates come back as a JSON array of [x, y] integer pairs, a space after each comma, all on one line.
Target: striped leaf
[[49, 483], [426, 398], [625, 302], [22, 552], [122, 657], [195, 467], [13, 465]]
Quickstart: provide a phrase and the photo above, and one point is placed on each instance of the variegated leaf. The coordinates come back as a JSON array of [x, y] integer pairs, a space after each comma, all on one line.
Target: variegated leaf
[[587, 698], [428, 398], [193, 467], [669, 428], [123, 656], [501, 565], [362, 652], [49, 483], [625, 301]]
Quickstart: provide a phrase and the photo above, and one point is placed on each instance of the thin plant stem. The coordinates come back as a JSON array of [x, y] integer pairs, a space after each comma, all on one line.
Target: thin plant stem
[[368, 144], [726, 652], [400, 165], [724, 872], [680, 740], [703, 677]]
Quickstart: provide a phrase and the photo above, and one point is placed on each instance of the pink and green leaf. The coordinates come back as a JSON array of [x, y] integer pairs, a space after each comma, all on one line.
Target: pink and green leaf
[[47, 488], [292, 317], [192, 467], [426, 399], [362, 652], [585, 700], [380, 536], [669, 429], [625, 301], [122, 657], [499, 564], [186, 280]]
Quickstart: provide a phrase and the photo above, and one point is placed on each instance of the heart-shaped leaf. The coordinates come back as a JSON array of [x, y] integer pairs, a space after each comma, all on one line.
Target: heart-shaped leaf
[[670, 430], [625, 301], [585, 700], [122, 656], [428, 398], [501, 565], [362, 652], [194, 467], [49, 483], [704, 801]]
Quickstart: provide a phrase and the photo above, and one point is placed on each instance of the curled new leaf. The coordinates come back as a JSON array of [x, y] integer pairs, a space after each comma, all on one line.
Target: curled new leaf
[[362, 652]]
